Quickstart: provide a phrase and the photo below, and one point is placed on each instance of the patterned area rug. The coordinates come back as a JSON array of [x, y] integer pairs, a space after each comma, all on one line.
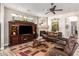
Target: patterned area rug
[[25, 49]]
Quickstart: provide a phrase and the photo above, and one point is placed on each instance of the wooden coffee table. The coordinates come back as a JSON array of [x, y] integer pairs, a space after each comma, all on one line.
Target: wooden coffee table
[[41, 50]]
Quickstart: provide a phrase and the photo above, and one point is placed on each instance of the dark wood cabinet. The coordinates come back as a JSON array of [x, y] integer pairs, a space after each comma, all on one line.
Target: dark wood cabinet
[[16, 38], [13, 40]]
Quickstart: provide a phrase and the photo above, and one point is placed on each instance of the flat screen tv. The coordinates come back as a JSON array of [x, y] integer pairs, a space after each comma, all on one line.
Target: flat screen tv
[[25, 29]]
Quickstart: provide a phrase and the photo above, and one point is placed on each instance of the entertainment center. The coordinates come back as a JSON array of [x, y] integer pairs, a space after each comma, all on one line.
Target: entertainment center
[[21, 32]]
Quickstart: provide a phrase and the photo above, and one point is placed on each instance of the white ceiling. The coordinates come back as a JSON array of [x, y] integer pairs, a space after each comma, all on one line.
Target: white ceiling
[[39, 8]]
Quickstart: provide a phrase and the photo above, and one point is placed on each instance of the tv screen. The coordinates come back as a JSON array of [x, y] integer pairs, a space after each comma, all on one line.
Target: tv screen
[[25, 29]]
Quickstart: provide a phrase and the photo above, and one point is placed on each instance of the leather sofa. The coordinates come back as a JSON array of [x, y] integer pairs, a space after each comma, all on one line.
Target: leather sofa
[[54, 37], [68, 50]]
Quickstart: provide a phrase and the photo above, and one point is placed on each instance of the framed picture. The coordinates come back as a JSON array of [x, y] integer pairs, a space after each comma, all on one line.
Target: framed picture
[[55, 24]]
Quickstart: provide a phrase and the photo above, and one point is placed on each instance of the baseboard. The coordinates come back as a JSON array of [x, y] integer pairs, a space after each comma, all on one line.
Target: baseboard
[[6, 44], [2, 48]]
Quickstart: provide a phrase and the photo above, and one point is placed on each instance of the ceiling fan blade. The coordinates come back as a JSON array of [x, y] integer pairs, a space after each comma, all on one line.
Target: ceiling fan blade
[[53, 12], [47, 12], [54, 7], [59, 10]]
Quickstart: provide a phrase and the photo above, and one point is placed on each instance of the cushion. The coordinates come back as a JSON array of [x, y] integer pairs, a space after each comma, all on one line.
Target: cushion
[[52, 34]]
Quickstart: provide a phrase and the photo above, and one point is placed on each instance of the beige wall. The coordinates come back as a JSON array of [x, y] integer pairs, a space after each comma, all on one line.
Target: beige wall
[[0, 25], [62, 23], [0, 11], [78, 25]]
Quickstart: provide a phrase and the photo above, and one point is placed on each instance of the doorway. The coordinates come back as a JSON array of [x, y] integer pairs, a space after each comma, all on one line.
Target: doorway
[[74, 31], [73, 26]]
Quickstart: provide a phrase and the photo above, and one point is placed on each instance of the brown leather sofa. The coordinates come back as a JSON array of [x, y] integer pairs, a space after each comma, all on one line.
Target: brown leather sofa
[[68, 50], [54, 37]]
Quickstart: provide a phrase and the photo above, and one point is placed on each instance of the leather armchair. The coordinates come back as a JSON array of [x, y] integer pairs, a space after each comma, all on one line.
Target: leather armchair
[[68, 50]]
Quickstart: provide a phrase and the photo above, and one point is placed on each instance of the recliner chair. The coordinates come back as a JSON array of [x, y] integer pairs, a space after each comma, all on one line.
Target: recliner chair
[[68, 50]]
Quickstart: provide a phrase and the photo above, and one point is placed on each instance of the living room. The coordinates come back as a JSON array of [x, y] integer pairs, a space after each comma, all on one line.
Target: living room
[[65, 21]]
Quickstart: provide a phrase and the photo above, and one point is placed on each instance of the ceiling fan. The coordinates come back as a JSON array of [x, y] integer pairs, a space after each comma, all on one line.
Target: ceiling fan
[[53, 9]]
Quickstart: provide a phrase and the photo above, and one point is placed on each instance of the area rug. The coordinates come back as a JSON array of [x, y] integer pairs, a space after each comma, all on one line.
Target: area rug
[[25, 49]]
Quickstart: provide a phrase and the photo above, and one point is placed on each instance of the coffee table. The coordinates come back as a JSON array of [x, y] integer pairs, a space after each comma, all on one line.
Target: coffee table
[[42, 50]]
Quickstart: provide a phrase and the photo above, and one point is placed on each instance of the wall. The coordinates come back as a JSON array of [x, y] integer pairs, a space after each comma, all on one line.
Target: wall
[[78, 30], [0, 25], [8, 17], [62, 23], [78, 25], [0, 11]]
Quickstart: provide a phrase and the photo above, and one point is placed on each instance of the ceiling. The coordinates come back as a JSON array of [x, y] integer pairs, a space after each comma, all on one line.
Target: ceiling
[[39, 8]]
